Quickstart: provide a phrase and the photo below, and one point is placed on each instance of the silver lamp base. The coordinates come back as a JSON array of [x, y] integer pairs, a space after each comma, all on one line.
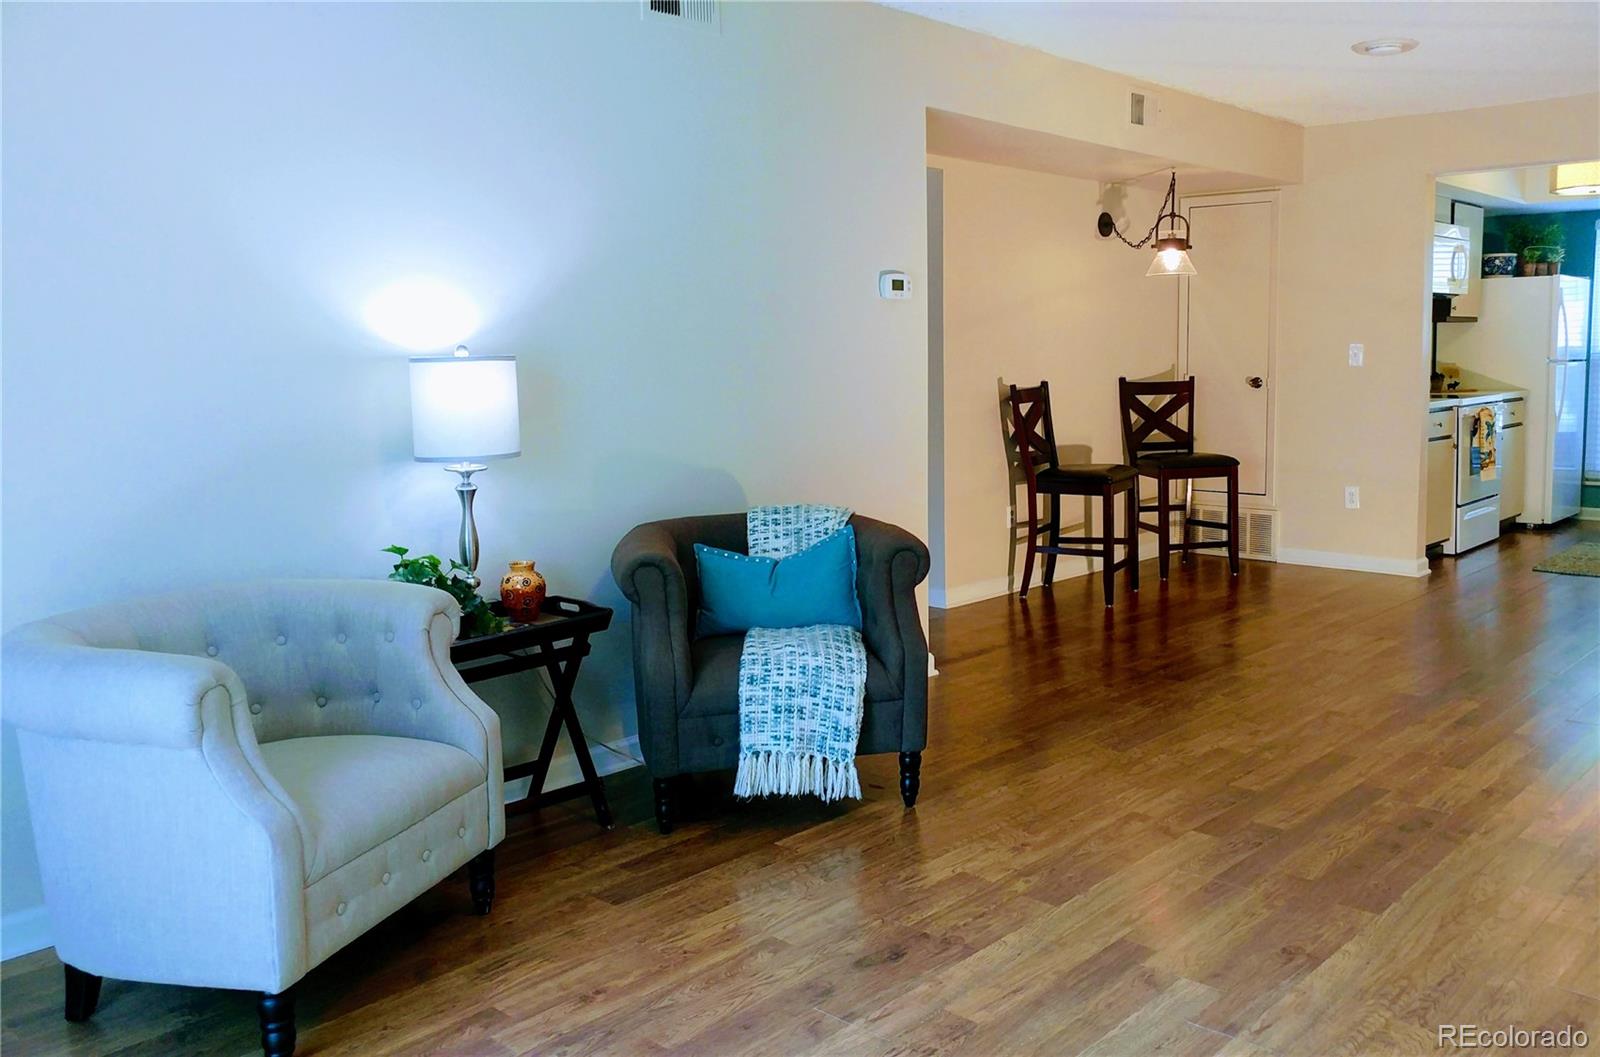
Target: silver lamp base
[[469, 528]]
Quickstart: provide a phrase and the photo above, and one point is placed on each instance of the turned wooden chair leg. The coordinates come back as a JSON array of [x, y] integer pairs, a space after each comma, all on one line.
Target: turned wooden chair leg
[[83, 993], [1033, 542], [910, 777], [1132, 543], [1108, 545], [666, 804], [480, 881], [1053, 538], [1163, 523], [277, 1023], [1233, 520], [1188, 500]]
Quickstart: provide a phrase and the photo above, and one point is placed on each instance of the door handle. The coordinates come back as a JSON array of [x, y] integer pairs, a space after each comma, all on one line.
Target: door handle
[[1255, 381]]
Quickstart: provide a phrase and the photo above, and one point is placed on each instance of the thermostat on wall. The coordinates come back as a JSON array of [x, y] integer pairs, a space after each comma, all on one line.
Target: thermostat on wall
[[896, 286]]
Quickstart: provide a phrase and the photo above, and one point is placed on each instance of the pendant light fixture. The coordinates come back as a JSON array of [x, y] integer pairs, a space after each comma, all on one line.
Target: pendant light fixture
[[1172, 248], [1580, 178]]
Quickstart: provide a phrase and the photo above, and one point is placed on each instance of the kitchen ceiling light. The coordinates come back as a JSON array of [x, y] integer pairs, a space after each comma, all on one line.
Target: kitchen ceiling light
[[1579, 178], [1172, 249], [1384, 46]]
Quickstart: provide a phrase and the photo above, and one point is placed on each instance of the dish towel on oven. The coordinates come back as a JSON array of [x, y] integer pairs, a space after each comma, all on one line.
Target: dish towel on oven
[[800, 689], [1484, 430]]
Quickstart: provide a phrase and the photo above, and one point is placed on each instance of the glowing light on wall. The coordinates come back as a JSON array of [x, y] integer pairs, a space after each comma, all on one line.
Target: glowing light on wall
[[421, 314]]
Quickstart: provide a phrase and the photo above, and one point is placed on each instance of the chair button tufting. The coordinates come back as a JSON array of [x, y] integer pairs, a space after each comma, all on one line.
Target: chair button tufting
[[388, 636], [427, 854], [255, 708], [462, 832], [416, 702], [342, 637], [211, 651], [322, 702], [280, 640], [376, 697], [341, 908], [716, 739], [386, 877]]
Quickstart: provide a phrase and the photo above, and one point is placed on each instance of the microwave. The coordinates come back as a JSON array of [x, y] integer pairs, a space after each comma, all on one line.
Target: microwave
[[1452, 249]]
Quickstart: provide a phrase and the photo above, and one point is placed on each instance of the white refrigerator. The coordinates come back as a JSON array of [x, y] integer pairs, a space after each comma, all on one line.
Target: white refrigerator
[[1533, 333]]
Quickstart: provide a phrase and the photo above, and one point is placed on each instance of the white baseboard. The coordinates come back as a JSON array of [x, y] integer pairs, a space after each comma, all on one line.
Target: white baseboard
[[1359, 563], [933, 667], [24, 931], [967, 594], [1589, 513]]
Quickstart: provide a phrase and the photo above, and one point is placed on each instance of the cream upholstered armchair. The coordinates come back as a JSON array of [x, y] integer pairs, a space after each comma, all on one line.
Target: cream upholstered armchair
[[229, 785]]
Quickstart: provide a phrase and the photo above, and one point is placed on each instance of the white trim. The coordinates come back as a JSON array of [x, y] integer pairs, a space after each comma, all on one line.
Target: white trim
[[1360, 563], [967, 594], [24, 931], [933, 668], [1589, 513]]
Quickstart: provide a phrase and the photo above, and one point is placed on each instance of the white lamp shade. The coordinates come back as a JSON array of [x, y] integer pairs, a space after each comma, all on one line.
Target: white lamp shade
[[464, 408]]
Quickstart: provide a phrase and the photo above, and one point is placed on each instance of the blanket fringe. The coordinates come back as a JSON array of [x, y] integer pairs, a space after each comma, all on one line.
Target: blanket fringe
[[775, 773]]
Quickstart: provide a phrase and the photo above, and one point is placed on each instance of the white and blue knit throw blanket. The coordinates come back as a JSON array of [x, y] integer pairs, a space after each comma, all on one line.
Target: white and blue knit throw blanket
[[800, 689]]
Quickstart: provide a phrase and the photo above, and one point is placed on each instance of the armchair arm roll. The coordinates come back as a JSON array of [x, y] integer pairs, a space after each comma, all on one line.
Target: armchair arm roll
[[59, 685], [892, 562], [646, 568]]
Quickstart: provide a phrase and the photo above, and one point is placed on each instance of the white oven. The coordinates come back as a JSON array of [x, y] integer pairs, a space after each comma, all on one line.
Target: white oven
[[1478, 477]]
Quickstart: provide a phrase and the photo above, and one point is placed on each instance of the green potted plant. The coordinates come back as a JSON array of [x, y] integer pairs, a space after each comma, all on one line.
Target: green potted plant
[[476, 616], [1539, 245]]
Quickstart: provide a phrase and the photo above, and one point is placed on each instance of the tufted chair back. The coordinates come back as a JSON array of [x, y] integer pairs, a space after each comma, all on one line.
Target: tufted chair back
[[311, 657]]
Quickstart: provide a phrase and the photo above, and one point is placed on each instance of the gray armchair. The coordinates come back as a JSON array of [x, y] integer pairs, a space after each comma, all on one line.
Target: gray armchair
[[687, 689]]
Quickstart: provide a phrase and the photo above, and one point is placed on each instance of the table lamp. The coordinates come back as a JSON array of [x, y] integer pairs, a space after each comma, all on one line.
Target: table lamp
[[463, 412]]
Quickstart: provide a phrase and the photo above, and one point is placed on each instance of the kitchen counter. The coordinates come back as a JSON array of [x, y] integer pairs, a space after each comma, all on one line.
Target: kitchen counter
[[1440, 401]]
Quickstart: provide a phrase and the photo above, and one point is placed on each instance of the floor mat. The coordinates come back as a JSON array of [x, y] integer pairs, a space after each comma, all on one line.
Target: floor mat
[[1580, 559]]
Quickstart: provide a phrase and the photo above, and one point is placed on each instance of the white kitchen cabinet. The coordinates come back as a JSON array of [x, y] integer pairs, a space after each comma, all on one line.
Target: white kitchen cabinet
[[1467, 305], [1513, 459], [1226, 331], [1441, 508]]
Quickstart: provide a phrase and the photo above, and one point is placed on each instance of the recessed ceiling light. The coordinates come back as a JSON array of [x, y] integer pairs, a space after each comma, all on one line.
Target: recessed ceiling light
[[1384, 46]]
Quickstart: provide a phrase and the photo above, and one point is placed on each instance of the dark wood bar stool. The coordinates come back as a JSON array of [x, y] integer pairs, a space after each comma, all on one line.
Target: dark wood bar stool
[[1144, 421], [1034, 433]]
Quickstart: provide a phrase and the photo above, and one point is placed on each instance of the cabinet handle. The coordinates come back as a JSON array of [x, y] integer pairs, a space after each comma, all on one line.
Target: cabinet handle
[[1255, 381]]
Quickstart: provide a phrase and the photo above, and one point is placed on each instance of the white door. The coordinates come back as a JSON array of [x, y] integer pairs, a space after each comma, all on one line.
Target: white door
[[1226, 318]]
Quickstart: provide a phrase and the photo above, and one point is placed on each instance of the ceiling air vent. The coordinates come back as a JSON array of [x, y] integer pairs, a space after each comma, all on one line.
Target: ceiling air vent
[[1136, 108], [691, 12]]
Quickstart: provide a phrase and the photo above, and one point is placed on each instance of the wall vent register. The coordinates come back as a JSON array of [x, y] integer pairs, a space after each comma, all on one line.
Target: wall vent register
[[694, 12]]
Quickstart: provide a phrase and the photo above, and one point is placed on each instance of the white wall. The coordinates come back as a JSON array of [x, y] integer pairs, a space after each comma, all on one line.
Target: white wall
[[677, 232], [1032, 292]]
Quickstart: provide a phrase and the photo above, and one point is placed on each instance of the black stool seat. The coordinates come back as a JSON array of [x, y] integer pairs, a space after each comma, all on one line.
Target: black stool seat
[[1084, 478], [1184, 460]]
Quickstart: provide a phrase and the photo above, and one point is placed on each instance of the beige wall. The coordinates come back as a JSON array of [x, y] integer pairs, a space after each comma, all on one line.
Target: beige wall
[[1032, 292], [678, 232], [1355, 236]]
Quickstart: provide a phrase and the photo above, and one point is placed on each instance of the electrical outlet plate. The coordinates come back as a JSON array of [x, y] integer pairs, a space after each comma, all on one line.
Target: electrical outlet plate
[[1358, 354], [1352, 497]]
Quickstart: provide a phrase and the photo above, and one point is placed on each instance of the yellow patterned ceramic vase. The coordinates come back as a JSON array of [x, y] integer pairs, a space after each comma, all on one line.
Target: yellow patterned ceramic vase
[[522, 592]]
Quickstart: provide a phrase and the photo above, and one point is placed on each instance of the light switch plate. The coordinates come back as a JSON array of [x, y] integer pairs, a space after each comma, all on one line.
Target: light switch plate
[[1358, 354]]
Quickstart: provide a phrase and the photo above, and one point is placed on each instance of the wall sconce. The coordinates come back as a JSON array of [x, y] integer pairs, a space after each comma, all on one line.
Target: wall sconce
[[1172, 249]]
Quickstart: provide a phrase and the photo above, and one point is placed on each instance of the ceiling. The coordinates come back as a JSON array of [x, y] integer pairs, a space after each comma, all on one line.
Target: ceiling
[[1293, 60], [1514, 191]]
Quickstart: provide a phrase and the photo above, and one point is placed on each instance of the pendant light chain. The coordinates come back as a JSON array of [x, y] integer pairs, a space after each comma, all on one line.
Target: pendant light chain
[[1169, 207]]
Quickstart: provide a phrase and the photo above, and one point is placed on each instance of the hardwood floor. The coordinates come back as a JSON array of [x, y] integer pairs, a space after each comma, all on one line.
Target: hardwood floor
[[1308, 813]]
